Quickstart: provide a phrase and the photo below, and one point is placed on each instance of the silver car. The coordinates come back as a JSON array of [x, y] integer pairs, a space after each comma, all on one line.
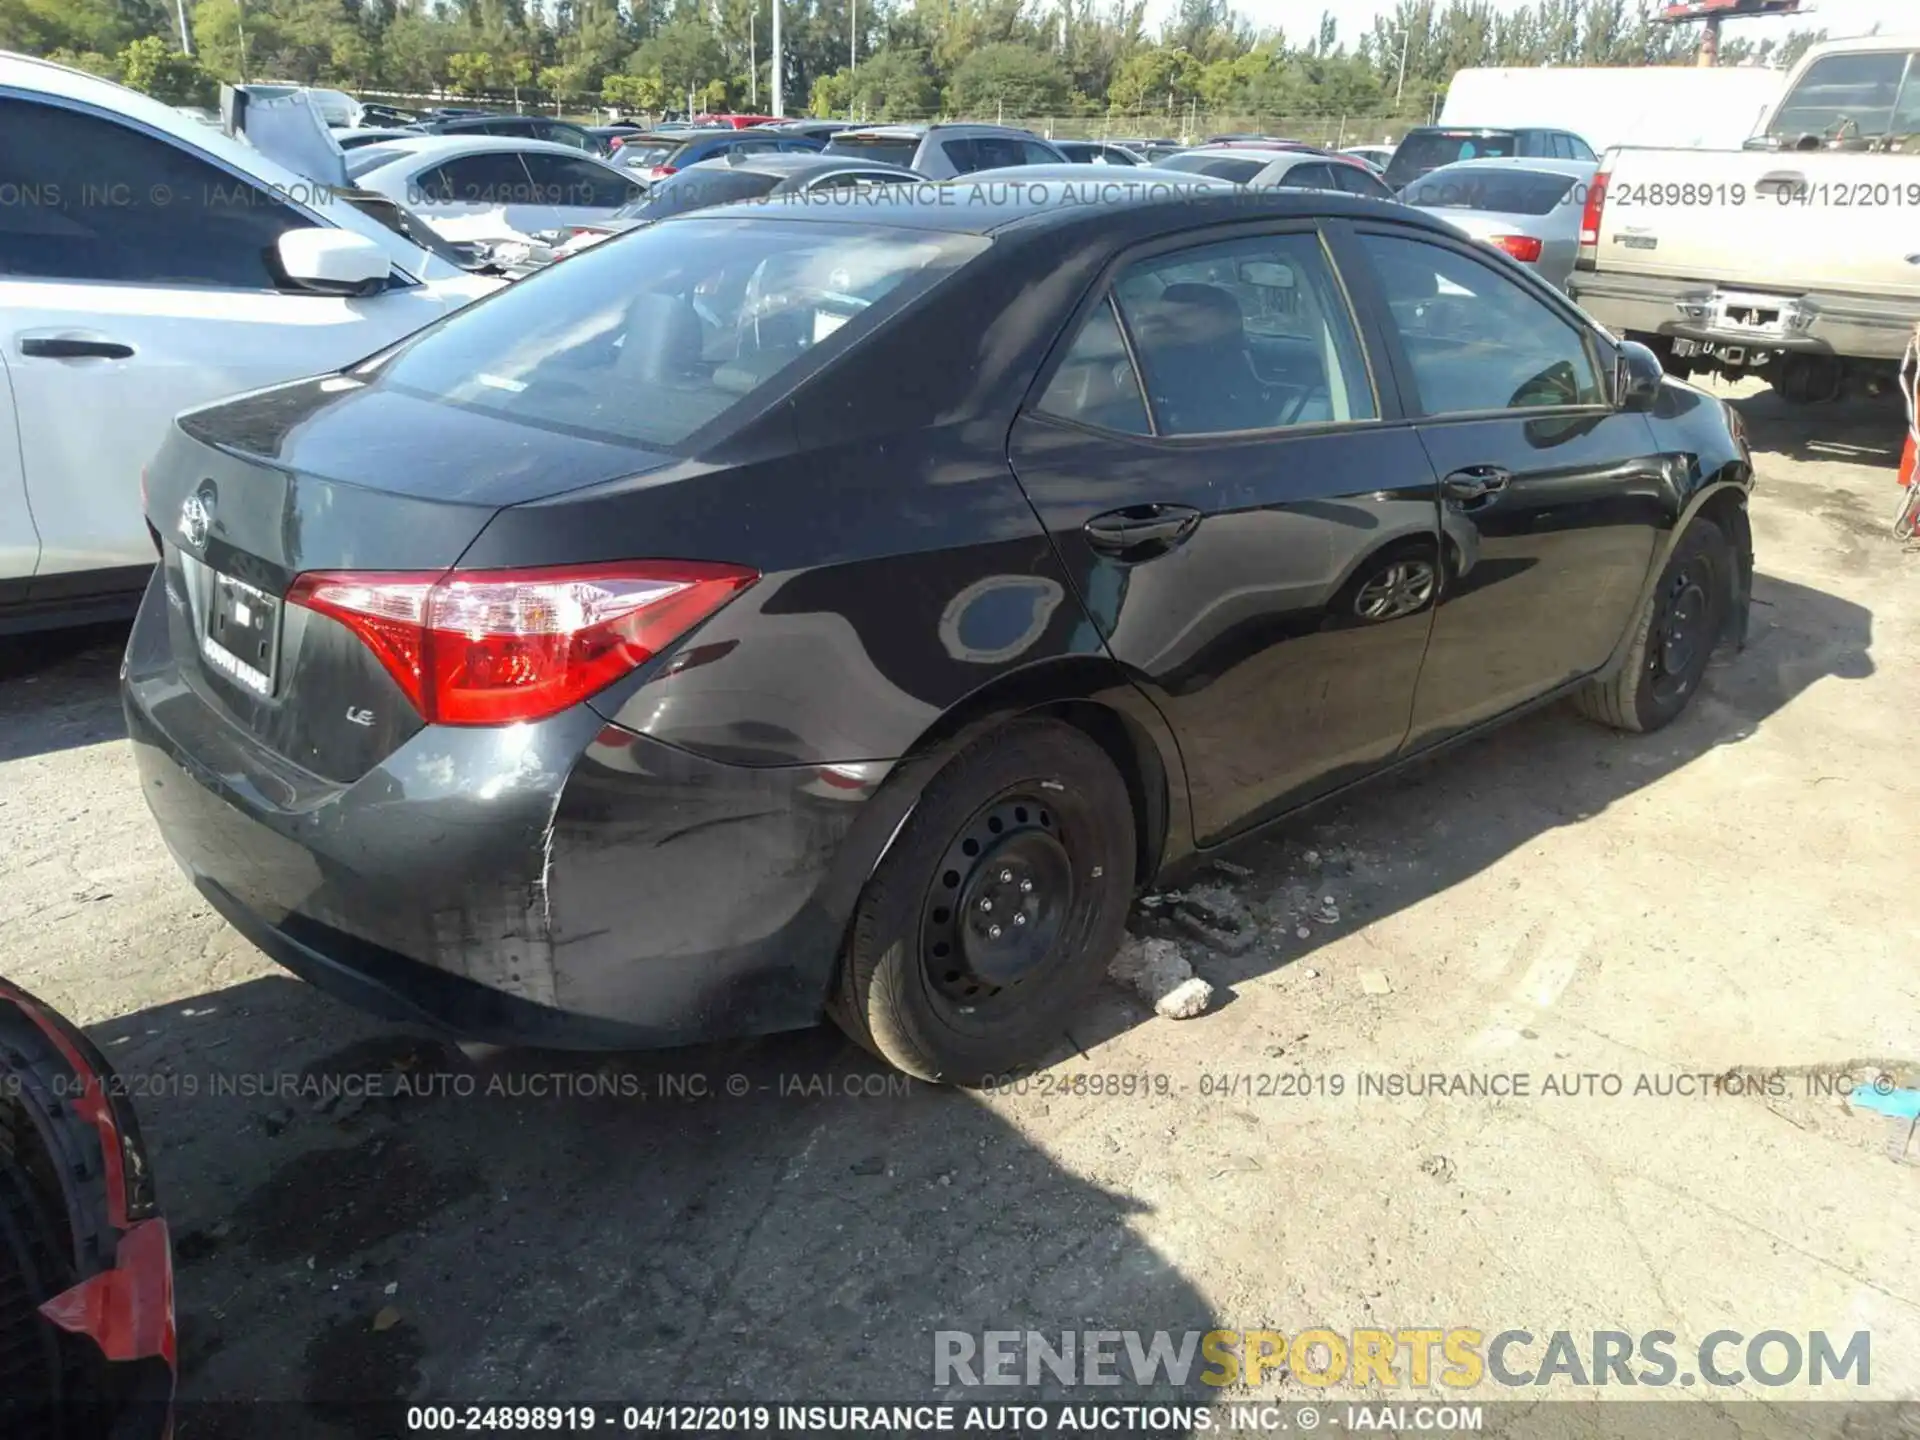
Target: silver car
[[1279, 167], [1528, 208]]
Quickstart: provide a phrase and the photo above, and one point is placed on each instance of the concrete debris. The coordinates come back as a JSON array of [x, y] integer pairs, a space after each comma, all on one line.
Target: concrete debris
[[1304, 933], [1374, 982], [1160, 975], [1311, 974], [1228, 867]]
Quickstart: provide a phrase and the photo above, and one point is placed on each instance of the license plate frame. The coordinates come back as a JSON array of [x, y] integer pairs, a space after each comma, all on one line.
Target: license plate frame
[[1731, 309], [240, 633]]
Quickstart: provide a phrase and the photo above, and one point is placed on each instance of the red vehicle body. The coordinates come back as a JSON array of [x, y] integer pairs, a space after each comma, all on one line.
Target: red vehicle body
[[87, 1343], [738, 122]]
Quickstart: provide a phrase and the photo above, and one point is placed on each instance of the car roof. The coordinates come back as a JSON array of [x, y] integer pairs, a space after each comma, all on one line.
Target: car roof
[[1084, 175], [794, 162], [432, 146], [1007, 209], [1272, 153], [1577, 168]]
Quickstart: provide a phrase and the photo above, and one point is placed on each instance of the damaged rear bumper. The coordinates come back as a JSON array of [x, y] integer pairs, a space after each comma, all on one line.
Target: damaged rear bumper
[[569, 883]]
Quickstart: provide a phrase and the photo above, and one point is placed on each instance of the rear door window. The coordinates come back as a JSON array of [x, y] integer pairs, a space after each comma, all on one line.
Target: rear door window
[[1096, 384], [565, 180], [1248, 334], [495, 177]]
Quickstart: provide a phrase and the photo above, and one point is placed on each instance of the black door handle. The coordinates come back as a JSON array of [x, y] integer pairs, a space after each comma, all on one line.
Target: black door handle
[[1140, 532], [61, 347], [1476, 482]]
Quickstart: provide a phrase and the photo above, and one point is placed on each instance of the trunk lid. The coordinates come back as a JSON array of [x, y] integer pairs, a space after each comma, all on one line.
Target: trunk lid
[[328, 475]]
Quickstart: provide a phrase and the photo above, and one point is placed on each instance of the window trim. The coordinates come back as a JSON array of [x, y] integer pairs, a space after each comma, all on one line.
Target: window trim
[[1375, 364], [1600, 350], [408, 279]]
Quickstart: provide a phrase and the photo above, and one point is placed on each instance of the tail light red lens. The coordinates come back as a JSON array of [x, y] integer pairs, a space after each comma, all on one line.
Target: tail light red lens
[[1524, 248], [493, 647], [660, 172], [1590, 221]]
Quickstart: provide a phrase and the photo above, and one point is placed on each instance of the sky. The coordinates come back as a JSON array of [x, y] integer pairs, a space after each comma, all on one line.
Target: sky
[[1837, 17]]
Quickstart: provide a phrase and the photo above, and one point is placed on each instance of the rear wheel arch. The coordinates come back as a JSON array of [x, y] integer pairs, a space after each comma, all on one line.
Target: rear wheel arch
[[1093, 696]]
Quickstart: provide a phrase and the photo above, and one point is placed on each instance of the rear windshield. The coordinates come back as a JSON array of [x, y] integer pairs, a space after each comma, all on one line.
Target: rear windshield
[[1426, 150], [647, 152], [363, 158], [1221, 167], [1504, 192], [1853, 97], [646, 342], [894, 150], [699, 187]]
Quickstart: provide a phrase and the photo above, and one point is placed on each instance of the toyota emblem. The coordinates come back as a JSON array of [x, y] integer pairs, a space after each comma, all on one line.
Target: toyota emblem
[[196, 517]]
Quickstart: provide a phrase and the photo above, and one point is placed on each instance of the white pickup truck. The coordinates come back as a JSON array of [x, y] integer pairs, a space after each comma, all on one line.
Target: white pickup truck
[[1797, 257]]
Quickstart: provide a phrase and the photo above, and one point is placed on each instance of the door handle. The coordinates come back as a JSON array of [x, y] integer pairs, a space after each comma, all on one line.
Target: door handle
[[1476, 482], [1140, 532], [1791, 181], [67, 347]]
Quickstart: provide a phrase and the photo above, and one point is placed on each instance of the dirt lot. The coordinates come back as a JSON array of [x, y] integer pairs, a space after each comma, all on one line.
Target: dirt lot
[[1733, 895]]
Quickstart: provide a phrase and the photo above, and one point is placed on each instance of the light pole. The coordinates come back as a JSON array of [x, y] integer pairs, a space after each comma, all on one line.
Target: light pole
[[1400, 86], [186, 42], [753, 57], [779, 93], [853, 35]]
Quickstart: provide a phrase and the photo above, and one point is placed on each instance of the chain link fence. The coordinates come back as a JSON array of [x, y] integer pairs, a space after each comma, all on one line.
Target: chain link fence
[[1188, 126]]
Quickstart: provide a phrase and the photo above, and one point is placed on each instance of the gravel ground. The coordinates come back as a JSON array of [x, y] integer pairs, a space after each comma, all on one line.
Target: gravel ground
[[1732, 895]]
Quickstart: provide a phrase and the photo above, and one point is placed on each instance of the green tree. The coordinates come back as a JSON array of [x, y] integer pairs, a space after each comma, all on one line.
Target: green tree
[[683, 57], [889, 85], [1153, 78], [149, 64], [1011, 79]]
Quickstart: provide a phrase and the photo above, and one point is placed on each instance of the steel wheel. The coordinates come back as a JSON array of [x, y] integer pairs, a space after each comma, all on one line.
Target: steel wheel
[[1682, 631], [1001, 902]]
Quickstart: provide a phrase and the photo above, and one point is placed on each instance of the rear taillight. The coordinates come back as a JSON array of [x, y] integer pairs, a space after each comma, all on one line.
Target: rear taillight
[[1524, 248], [660, 172], [1589, 252], [491, 647]]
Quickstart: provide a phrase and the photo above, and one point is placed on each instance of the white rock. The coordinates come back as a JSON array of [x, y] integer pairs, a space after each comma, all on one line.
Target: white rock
[[1160, 974]]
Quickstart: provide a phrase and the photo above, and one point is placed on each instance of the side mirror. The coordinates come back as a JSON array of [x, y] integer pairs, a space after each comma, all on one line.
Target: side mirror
[[1637, 378], [332, 262]]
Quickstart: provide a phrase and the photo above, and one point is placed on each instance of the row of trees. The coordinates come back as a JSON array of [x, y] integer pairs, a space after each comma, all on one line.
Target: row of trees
[[882, 59]]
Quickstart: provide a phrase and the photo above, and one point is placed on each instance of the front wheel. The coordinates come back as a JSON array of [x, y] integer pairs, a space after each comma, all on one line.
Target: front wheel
[[1676, 632], [993, 916]]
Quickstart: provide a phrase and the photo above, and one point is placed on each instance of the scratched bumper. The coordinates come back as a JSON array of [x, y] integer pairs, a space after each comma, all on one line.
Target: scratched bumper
[[567, 883]]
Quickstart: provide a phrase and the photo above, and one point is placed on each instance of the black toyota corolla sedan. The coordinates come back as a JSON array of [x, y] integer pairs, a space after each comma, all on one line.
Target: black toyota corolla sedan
[[843, 608]]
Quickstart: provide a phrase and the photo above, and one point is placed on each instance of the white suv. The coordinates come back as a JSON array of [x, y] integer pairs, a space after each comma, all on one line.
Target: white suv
[[148, 264]]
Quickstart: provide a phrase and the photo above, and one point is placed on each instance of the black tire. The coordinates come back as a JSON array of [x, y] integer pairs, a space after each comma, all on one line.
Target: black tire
[[921, 984], [1674, 637]]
